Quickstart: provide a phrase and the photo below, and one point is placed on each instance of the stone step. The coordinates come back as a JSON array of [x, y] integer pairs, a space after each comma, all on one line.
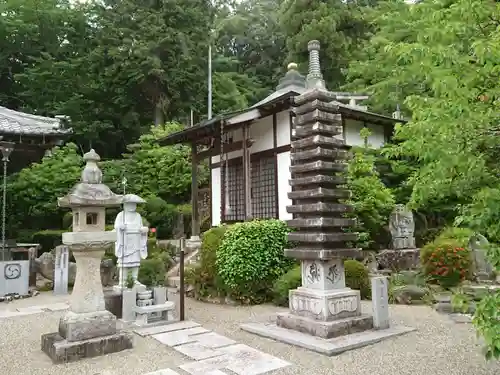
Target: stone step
[[174, 281], [193, 256]]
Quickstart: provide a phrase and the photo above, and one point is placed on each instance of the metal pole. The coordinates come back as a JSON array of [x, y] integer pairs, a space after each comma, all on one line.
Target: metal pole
[[4, 200], [181, 281], [210, 82]]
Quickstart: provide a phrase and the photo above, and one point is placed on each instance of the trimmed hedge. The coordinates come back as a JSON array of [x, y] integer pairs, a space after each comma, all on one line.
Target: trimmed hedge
[[203, 277], [251, 257]]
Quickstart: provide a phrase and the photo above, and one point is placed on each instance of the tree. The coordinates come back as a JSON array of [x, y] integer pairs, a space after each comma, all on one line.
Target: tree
[[447, 62], [165, 172], [338, 25], [115, 67]]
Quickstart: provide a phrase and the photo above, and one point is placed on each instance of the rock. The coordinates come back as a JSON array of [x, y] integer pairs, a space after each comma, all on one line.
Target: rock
[[407, 293], [2, 299], [45, 265], [16, 296], [107, 272], [8, 298]]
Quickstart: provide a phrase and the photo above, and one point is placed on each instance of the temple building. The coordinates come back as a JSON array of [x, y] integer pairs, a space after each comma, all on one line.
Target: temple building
[[32, 136], [249, 150]]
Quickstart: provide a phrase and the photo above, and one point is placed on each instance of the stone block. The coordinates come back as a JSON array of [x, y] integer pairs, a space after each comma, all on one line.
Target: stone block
[[78, 327], [129, 301], [325, 330], [323, 275], [325, 305], [319, 208], [14, 277], [63, 351], [300, 131], [380, 302], [113, 302]]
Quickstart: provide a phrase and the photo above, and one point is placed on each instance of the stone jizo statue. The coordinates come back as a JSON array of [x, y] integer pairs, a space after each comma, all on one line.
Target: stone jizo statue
[[131, 241], [402, 228]]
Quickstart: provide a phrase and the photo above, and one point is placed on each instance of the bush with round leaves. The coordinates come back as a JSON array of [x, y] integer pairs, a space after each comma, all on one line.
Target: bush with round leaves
[[250, 258], [290, 280], [356, 277]]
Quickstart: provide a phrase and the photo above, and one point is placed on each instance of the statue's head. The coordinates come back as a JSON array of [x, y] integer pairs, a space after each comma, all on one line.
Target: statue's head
[[130, 202]]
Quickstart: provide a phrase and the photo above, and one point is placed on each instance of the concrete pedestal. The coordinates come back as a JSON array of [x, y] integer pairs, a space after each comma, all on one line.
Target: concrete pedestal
[[87, 329]]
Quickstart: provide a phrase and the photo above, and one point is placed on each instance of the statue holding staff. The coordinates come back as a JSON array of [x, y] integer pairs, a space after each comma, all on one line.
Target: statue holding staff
[[131, 241]]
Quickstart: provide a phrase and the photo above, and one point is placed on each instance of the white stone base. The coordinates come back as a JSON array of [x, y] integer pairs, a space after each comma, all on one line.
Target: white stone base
[[325, 305], [328, 347]]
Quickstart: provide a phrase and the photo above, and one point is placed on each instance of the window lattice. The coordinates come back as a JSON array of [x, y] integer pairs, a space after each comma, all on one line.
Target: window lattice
[[235, 211], [263, 188]]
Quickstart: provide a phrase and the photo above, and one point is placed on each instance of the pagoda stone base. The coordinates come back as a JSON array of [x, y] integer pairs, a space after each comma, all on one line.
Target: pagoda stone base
[[61, 350], [325, 314], [325, 330]]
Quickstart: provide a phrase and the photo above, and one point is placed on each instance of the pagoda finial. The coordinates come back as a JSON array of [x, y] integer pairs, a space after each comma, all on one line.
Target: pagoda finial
[[91, 174], [314, 78]]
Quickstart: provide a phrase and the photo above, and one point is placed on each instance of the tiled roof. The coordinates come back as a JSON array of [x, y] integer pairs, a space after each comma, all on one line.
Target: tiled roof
[[13, 122]]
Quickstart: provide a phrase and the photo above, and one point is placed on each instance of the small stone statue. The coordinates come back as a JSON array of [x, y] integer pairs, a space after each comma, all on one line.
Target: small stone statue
[[483, 270], [131, 241], [402, 228]]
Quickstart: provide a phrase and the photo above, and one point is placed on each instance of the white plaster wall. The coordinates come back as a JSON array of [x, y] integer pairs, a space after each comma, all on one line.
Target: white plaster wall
[[216, 196], [283, 128], [283, 186], [353, 137], [261, 131]]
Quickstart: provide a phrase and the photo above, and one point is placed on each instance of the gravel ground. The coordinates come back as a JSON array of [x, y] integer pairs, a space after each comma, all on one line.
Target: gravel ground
[[439, 347]]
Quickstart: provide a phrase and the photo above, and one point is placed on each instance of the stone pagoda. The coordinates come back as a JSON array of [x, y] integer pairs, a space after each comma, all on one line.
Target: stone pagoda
[[87, 329], [322, 306], [323, 309]]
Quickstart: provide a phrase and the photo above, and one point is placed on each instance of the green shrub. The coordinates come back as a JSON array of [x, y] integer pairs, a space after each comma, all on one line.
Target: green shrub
[[48, 239], [250, 258], [164, 253], [152, 272], [290, 280], [356, 277], [212, 239], [447, 264], [451, 237]]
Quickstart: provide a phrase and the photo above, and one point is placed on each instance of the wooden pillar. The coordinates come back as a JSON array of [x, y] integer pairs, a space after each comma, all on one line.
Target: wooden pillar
[[195, 220], [247, 182]]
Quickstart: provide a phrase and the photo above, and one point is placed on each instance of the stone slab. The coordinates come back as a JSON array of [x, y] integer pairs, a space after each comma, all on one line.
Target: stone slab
[[166, 327], [329, 347], [165, 371], [56, 307], [325, 330], [240, 359], [31, 309], [63, 351], [214, 340], [184, 336], [13, 314], [197, 351]]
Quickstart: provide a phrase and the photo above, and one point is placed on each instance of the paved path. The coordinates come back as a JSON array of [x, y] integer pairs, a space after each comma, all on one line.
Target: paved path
[[211, 352], [439, 346]]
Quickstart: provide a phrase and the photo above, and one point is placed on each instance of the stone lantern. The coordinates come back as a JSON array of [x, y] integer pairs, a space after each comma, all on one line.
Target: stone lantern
[[87, 329]]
